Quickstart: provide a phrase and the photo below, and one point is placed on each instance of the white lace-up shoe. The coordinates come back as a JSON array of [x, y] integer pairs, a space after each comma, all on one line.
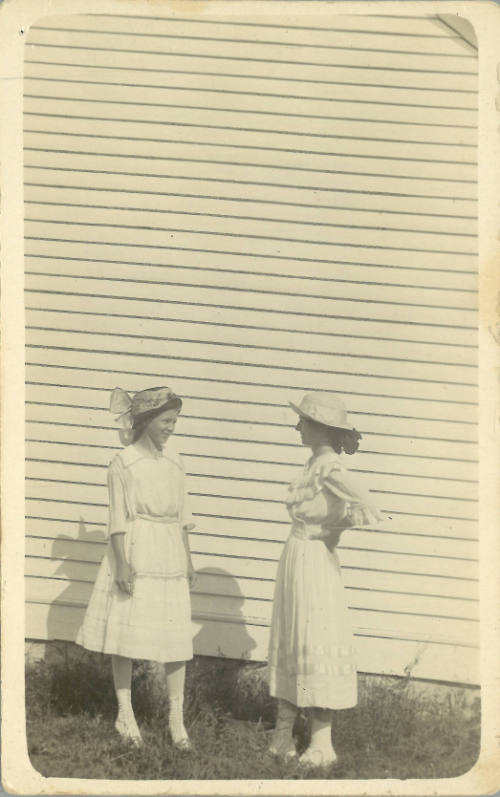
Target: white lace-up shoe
[[176, 725], [126, 726], [315, 757], [282, 743]]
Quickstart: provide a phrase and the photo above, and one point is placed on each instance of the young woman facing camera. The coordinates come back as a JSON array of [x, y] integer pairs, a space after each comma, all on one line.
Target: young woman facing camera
[[140, 606]]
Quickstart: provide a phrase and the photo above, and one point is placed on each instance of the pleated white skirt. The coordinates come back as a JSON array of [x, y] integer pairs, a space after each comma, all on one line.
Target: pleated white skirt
[[311, 651], [154, 623]]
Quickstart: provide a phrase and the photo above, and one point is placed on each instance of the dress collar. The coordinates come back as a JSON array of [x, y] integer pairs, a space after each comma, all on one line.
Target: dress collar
[[145, 448]]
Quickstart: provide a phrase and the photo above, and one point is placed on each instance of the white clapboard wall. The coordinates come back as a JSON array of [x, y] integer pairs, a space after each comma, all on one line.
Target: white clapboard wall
[[245, 209]]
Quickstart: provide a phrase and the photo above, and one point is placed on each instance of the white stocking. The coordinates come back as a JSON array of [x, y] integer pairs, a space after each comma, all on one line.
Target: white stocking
[[176, 676], [122, 680], [320, 752], [125, 724], [321, 732], [282, 742]]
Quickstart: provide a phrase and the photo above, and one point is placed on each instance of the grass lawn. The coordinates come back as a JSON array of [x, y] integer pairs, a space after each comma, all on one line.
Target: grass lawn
[[396, 730]]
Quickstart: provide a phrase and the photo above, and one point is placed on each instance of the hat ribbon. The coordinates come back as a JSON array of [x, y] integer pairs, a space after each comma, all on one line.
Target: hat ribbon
[[120, 404]]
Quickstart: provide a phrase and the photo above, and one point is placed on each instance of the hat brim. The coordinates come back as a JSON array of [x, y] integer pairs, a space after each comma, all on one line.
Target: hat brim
[[174, 403], [306, 415]]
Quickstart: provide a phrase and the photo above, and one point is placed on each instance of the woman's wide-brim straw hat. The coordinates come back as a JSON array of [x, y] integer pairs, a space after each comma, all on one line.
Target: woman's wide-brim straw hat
[[323, 408]]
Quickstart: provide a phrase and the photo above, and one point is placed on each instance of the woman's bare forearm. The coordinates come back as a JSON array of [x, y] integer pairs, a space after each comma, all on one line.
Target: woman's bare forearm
[[185, 538], [124, 575], [118, 545]]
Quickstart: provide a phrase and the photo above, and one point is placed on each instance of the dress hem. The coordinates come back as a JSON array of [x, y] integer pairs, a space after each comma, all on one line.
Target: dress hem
[[313, 702], [135, 656]]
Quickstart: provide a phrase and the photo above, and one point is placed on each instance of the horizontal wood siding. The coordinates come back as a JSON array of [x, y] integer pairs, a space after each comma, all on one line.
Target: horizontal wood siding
[[246, 210]]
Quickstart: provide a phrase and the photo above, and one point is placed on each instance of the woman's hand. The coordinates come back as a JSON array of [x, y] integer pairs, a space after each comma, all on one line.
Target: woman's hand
[[354, 516], [124, 578], [191, 575], [333, 538]]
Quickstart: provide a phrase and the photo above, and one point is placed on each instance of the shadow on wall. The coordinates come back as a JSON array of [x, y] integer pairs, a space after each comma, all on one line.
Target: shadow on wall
[[217, 600], [77, 572], [217, 614]]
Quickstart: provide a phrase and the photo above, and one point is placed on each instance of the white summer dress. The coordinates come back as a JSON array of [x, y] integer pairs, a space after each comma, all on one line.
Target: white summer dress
[[312, 658], [147, 500]]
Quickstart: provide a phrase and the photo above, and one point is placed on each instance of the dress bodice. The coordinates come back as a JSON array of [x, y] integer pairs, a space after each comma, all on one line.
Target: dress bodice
[[143, 480], [322, 497]]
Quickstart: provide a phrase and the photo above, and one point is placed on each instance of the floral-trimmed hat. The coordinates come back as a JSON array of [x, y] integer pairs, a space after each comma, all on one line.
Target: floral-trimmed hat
[[129, 409], [323, 408]]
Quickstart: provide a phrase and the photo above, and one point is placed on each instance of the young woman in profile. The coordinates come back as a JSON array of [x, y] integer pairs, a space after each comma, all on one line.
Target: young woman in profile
[[311, 655], [140, 606]]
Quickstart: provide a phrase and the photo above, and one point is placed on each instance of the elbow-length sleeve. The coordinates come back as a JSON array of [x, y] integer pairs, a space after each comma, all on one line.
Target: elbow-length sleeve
[[119, 510], [359, 506], [187, 519]]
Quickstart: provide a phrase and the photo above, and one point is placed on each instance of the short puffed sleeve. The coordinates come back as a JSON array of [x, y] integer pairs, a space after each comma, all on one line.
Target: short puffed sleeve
[[119, 511], [360, 508]]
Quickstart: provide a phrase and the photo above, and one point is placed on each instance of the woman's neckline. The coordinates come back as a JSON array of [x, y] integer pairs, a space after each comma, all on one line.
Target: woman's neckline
[[147, 444], [329, 452]]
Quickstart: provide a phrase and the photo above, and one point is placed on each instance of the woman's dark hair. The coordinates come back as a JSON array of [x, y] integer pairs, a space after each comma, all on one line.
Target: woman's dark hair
[[141, 421], [346, 440]]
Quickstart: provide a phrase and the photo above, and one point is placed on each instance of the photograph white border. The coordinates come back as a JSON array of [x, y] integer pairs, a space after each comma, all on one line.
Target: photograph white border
[[18, 775]]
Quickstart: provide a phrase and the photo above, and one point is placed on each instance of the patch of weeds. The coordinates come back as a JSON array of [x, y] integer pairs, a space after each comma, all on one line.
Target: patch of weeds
[[395, 731]]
